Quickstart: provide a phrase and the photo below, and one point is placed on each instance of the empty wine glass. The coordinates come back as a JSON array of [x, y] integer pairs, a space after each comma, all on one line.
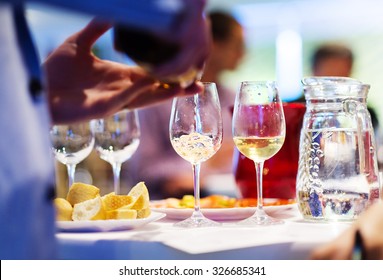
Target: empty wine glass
[[259, 132], [117, 139], [196, 135], [71, 144]]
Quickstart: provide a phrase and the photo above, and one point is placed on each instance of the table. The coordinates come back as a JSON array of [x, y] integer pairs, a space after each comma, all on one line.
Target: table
[[160, 240]]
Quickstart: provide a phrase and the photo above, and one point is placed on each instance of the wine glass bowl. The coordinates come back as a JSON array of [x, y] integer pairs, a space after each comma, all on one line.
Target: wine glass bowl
[[116, 139], [71, 144], [259, 131], [196, 135], [280, 171], [194, 147]]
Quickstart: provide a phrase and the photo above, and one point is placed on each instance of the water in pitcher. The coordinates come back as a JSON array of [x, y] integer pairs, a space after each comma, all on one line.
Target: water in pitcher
[[335, 180]]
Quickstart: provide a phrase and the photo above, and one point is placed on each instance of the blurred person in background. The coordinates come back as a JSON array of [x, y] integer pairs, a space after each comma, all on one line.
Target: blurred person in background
[[79, 86], [228, 50], [337, 60], [332, 60], [156, 162]]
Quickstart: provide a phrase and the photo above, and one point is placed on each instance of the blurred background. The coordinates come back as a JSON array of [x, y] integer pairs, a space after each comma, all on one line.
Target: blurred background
[[281, 36]]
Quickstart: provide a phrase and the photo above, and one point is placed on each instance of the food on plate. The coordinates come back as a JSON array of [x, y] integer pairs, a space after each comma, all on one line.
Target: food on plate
[[114, 201], [140, 196], [84, 203], [64, 209], [91, 209], [143, 213], [80, 192], [217, 201], [121, 213]]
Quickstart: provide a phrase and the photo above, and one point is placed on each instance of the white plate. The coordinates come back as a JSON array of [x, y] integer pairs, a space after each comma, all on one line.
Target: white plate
[[107, 225], [222, 214]]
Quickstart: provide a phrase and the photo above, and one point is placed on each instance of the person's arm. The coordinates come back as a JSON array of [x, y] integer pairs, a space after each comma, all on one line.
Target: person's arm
[[180, 22], [81, 86], [156, 15], [370, 243]]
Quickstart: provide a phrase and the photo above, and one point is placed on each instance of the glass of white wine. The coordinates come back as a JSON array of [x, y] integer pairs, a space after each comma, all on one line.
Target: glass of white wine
[[117, 139], [71, 144], [259, 131], [196, 135]]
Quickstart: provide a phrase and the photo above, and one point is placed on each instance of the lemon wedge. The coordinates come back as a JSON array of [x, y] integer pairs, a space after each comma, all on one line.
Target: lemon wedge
[[140, 196], [143, 213], [91, 209], [80, 192], [63, 209], [121, 213], [113, 201]]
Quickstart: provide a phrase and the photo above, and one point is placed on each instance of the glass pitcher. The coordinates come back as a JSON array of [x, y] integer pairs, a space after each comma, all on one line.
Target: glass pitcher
[[337, 169]]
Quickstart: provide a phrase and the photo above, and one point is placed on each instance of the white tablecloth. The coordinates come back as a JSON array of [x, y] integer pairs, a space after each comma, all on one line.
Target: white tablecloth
[[295, 239]]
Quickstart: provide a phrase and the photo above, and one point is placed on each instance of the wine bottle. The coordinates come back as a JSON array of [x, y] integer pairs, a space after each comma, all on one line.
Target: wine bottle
[[149, 50]]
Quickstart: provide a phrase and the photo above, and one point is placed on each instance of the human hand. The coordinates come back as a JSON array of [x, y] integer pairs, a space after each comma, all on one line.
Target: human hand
[[83, 87], [370, 226]]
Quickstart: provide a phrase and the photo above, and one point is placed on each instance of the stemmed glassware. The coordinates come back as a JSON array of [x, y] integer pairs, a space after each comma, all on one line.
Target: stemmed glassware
[[196, 135], [71, 144], [117, 139], [259, 131]]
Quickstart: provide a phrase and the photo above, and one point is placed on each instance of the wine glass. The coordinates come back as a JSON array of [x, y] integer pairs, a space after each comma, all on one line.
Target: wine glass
[[117, 139], [71, 144], [259, 131], [196, 135]]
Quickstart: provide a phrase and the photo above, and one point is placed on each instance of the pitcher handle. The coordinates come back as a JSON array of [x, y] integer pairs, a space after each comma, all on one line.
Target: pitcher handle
[[357, 109]]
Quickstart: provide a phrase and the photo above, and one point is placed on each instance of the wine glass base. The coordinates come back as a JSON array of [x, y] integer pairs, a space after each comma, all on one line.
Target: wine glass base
[[260, 218], [197, 221]]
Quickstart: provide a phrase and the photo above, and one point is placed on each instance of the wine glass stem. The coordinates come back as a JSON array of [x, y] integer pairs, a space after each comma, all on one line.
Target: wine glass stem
[[259, 174], [71, 168], [196, 172], [116, 176]]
